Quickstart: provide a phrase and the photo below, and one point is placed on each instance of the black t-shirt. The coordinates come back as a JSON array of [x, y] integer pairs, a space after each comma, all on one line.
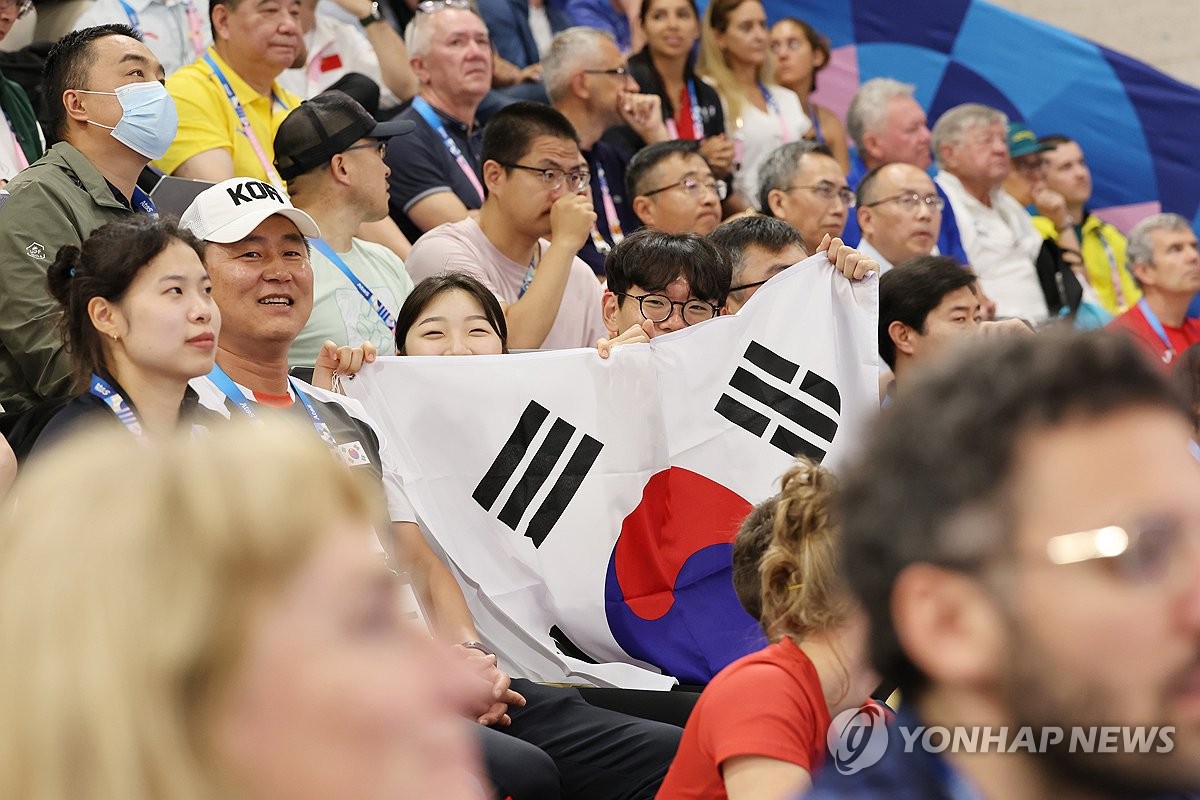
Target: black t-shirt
[[613, 161], [422, 166]]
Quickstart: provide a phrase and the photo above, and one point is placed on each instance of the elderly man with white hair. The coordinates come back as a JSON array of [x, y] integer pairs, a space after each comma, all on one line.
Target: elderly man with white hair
[[588, 81], [436, 175], [970, 144]]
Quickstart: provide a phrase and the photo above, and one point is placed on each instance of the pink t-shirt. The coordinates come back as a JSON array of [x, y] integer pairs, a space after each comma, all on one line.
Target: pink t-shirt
[[463, 247]]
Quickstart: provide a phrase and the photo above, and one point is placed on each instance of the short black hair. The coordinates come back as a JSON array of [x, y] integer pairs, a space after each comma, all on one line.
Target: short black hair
[[862, 192], [651, 259], [908, 292], [230, 4], [67, 68], [509, 135], [434, 287], [771, 234], [1054, 139], [645, 160], [933, 482]]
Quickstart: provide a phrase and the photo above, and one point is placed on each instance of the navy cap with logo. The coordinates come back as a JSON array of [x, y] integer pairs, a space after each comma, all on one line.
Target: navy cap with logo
[[320, 128]]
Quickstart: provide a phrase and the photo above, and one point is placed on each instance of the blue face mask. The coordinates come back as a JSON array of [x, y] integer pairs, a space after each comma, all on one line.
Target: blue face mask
[[148, 118]]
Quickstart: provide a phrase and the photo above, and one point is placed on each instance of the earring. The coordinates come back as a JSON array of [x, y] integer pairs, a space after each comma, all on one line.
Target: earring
[[114, 337]]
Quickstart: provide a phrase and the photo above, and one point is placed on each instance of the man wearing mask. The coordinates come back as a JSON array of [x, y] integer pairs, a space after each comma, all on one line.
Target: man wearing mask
[[112, 116]]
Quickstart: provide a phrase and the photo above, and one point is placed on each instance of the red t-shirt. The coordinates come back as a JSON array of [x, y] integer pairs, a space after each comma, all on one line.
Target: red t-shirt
[[1181, 337], [767, 704]]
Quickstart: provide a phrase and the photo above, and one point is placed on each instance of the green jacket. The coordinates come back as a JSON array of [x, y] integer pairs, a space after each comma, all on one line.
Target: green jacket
[[59, 200]]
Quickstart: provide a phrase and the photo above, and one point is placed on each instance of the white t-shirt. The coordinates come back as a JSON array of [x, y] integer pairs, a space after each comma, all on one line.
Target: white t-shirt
[[756, 133], [341, 313], [168, 28], [1002, 245], [463, 247], [334, 49]]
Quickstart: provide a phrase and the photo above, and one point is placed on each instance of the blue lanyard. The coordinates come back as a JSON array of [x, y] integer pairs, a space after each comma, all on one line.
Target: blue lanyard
[[116, 403], [697, 116], [234, 392], [529, 273], [134, 21], [367, 294], [268, 169], [1157, 327], [431, 118], [774, 107], [143, 201]]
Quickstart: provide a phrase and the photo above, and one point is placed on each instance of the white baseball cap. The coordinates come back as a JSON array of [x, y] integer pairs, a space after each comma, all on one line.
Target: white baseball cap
[[232, 209]]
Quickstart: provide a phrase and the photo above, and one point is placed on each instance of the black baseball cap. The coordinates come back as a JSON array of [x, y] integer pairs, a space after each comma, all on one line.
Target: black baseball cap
[[320, 128]]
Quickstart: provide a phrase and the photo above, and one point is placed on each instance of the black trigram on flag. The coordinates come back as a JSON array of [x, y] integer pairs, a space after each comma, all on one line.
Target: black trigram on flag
[[762, 406], [532, 472]]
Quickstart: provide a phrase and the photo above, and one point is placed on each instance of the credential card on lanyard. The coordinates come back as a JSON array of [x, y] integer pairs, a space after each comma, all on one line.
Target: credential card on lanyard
[[247, 130]]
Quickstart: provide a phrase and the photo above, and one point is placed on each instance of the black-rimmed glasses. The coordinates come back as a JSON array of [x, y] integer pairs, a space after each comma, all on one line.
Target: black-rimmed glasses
[[381, 145], [695, 188], [554, 178], [659, 307], [754, 285], [910, 201]]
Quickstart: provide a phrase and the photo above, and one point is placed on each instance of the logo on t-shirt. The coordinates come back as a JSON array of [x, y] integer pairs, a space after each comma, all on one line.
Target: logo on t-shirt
[[36, 250]]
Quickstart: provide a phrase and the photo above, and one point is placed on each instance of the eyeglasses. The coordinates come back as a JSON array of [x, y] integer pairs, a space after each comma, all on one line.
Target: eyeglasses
[[1145, 551], [658, 308], [433, 6], [695, 188], [1030, 165], [23, 6], [910, 201], [381, 145], [791, 45], [554, 178], [829, 191], [619, 72], [754, 285]]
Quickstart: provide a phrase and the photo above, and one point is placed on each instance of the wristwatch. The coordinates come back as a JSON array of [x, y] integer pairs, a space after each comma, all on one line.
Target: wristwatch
[[373, 17]]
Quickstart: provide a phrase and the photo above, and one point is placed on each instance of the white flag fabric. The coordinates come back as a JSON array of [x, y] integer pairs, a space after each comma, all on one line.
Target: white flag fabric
[[587, 506]]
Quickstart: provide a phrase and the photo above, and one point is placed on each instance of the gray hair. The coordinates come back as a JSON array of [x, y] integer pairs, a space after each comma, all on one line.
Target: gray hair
[[953, 125], [571, 50], [419, 32], [780, 165], [1140, 249], [868, 109]]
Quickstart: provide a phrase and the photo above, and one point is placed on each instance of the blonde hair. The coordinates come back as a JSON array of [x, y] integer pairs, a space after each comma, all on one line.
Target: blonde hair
[[802, 590], [712, 64], [129, 571]]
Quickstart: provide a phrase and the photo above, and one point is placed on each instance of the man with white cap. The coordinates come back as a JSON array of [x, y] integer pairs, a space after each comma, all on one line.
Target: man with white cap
[[258, 261]]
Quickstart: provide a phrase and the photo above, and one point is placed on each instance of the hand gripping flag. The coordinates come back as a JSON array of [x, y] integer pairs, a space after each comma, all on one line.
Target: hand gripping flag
[[587, 506]]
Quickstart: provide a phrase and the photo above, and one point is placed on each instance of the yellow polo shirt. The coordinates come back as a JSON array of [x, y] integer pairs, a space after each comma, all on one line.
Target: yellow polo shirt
[[209, 121]]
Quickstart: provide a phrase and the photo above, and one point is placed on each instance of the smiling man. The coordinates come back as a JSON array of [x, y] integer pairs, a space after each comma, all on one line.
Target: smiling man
[[230, 105], [900, 213], [537, 181]]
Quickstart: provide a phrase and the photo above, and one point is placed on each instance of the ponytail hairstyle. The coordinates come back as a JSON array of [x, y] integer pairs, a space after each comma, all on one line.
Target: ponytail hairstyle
[[802, 590], [712, 63], [104, 266]]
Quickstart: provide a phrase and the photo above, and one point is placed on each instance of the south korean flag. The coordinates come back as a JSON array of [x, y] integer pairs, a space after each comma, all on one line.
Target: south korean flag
[[587, 506]]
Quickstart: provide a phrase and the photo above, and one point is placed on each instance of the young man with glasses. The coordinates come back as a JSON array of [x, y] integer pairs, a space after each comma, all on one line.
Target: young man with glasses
[[588, 80], [673, 188], [900, 214], [536, 180], [802, 184], [330, 151], [1025, 525], [672, 280]]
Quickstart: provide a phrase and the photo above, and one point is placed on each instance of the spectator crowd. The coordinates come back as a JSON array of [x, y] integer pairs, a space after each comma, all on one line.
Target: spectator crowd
[[213, 212]]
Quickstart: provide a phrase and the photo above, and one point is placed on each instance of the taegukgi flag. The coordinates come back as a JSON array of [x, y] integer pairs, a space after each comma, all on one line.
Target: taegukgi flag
[[587, 506]]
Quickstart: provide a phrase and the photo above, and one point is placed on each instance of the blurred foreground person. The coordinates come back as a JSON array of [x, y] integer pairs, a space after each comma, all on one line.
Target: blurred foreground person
[[227, 628]]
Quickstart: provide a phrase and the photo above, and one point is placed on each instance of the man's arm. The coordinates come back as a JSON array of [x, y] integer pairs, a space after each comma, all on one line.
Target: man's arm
[[429, 212], [531, 317], [211, 165], [389, 51], [439, 594]]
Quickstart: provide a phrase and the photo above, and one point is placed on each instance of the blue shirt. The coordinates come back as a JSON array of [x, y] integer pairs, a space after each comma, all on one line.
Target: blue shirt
[[601, 15]]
